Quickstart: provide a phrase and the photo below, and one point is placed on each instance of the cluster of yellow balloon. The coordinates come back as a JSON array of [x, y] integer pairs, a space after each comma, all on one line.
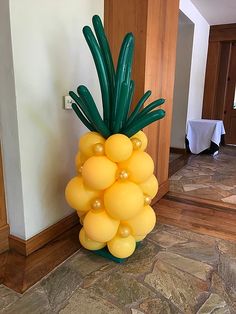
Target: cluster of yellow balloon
[[113, 191]]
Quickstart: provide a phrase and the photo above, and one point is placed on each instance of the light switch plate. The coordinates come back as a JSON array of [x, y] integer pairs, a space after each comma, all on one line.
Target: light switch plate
[[68, 102]]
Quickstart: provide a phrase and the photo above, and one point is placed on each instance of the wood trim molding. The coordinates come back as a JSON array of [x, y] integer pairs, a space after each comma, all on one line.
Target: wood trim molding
[[4, 233], [163, 189], [176, 150], [26, 247], [178, 163], [20, 272], [224, 32], [4, 227], [3, 215]]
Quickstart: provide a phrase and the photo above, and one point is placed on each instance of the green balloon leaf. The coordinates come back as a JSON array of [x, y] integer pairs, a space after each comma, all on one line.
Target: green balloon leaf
[[117, 89]]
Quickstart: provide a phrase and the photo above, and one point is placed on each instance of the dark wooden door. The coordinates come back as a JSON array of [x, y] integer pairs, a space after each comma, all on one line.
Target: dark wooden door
[[230, 108]]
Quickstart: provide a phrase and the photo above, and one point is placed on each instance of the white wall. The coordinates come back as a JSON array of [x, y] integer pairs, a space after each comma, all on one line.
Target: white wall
[[9, 127], [182, 78], [50, 57], [199, 58]]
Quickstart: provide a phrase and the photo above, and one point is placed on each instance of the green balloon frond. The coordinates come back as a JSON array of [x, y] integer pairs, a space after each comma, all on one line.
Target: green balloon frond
[[117, 89]]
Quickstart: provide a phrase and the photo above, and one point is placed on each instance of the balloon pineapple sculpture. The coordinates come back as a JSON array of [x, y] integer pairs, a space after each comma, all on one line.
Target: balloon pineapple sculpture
[[115, 183]]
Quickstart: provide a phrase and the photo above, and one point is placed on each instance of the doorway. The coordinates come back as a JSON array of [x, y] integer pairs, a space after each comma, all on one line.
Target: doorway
[[181, 92], [212, 179]]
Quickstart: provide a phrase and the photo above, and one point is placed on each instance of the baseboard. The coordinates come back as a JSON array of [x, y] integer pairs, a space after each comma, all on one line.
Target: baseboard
[[176, 150], [19, 272], [4, 243], [178, 164], [26, 247], [163, 189]]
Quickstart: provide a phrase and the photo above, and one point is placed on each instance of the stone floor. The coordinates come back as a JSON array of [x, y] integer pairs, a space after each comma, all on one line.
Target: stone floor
[[208, 177], [174, 271]]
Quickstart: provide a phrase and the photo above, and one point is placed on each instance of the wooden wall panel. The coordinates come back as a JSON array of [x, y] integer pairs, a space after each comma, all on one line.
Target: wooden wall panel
[[154, 24], [122, 17], [4, 228], [220, 40], [226, 32], [211, 79], [220, 99], [162, 26], [3, 218]]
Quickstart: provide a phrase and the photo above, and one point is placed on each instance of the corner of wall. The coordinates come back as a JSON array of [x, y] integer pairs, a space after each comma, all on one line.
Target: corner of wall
[[9, 128]]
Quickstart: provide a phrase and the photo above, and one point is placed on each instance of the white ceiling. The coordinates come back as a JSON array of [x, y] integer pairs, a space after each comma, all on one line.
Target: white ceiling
[[217, 11]]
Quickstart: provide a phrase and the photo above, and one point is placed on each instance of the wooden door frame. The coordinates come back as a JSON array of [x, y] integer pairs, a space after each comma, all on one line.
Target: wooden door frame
[[230, 90], [154, 24], [4, 227]]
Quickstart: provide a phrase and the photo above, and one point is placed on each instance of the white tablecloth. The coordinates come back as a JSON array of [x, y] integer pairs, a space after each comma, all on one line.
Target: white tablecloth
[[201, 132]]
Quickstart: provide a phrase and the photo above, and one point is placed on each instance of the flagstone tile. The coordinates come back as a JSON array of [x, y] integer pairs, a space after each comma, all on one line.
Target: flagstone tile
[[199, 251], [166, 239], [86, 302], [121, 289], [214, 304], [227, 263], [60, 285], [34, 301], [230, 199], [86, 262], [142, 260], [156, 306], [7, 297], [191, 187], [195, 268], [183, 289], [220, 287]]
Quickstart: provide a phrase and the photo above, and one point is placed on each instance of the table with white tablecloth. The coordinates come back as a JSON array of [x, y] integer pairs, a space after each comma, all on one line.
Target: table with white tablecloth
[[202, 133]]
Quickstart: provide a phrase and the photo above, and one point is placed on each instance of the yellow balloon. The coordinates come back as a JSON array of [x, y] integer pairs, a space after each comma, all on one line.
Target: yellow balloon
[[97, 204], [118, 147], [79, 161], [123, 200], [88, 243], [143, 222], [143, 138], [87, 142], [99, 226], [137, 144], [98, 149], [124, 231], [150, 186], [99, 172], [81, 220], [123, 175], [78, 196], [122, 247], [80, 213], [139, 166]]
